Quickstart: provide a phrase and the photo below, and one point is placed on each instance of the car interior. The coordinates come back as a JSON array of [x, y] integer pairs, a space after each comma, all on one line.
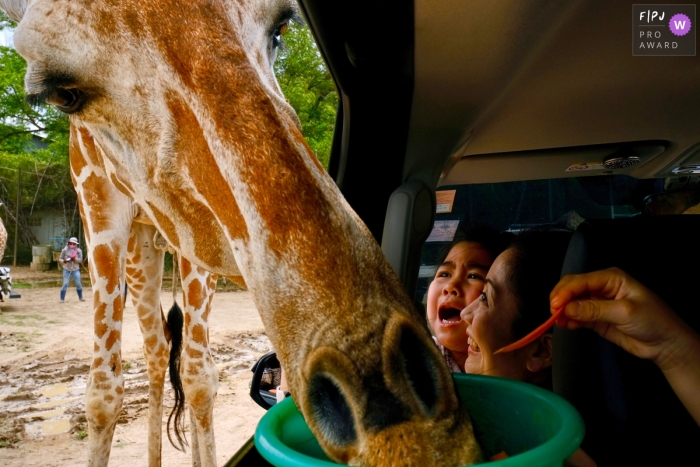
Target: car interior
[[514, 114]]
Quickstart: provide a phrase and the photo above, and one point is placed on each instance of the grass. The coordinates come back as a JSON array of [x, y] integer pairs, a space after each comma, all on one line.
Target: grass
[[126, 366], [18, 320], [4, 443], [21, 285], [82, 434]]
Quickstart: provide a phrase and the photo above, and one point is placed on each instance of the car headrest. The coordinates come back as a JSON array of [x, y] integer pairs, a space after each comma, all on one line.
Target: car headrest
[[632, 415]]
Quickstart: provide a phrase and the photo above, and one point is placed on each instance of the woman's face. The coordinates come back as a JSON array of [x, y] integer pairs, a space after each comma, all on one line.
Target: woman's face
[[489, 321], [458, 282]]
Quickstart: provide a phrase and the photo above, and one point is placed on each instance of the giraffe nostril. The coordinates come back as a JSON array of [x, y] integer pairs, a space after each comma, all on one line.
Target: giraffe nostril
[[331, 411], [419, 367]]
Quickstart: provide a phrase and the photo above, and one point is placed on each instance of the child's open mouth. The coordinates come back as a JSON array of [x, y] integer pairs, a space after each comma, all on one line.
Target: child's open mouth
[[449, 315]]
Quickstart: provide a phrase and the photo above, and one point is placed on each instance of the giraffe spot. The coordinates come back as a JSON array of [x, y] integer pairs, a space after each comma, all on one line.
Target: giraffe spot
[[193, 368], [100, 327], [162, 351], [112, 339], [77, 159], [115, 364], [96, 363], [196, 294], [106, 261], [151, 341], [194, 353], [100, 377], [130, 247], [148, 321], [185, 267], [199, 335], [119, 390], [97, 192]]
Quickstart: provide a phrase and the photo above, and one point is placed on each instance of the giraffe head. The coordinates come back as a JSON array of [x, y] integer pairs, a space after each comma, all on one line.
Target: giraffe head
[[188, 120]]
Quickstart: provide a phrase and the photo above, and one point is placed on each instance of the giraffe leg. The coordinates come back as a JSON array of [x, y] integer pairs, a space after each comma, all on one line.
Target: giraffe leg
[[107, 219], [144, 275], [200, 377], [104, 392], [194, 442]]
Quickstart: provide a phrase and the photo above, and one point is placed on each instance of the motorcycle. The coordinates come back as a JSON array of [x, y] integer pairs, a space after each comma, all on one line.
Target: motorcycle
[[6, 284]]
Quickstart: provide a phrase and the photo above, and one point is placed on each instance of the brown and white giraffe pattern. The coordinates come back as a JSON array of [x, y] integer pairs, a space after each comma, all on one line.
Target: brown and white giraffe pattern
[[125, 243], [182, 101]]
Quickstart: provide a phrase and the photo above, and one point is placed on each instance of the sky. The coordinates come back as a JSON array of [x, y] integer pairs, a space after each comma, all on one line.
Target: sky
[[6, 37]]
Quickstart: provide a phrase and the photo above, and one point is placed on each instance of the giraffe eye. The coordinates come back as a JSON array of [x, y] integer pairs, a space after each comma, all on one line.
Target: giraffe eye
[[66, 100], [279, 32]]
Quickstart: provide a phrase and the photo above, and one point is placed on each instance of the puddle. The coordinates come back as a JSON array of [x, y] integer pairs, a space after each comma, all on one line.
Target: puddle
[[51, 404], [46, 396], [55, 427], [46, 414], [54, 390]]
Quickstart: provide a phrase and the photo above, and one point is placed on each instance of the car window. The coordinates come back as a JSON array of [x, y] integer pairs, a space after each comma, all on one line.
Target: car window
[[514, 206]]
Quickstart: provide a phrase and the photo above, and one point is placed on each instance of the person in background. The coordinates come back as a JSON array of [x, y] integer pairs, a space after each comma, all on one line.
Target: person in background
[[459, 279], [71, 258]]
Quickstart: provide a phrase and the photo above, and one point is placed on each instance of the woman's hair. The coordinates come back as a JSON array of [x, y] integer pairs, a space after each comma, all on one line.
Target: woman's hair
[[491, 240], [533, 271]]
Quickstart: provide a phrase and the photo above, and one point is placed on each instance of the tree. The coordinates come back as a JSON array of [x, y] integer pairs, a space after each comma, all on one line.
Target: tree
[[309, 88], [33, 152]]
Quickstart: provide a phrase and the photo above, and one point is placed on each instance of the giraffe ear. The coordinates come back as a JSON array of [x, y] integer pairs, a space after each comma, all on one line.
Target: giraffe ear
[[412, 368], [330, 400]]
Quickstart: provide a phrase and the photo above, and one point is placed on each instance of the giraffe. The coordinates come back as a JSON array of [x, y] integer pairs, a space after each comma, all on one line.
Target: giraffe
[[131, 248], [189, 121]]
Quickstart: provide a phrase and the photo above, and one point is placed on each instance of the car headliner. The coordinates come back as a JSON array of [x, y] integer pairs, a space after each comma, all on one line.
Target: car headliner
[[456, 92]]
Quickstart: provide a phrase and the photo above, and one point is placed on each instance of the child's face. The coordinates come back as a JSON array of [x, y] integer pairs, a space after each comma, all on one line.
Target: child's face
[[458, 282]]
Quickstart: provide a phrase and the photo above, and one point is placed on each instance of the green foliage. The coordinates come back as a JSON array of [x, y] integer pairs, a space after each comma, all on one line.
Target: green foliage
[[18, 121], [33, 154], [308, 86]]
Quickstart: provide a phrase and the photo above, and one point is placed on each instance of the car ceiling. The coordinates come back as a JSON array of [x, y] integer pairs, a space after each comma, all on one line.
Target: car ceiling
[[511, 78], [454, 91]]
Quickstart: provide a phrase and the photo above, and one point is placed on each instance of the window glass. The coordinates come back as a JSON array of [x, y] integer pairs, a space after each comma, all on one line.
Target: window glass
[[515, 206]]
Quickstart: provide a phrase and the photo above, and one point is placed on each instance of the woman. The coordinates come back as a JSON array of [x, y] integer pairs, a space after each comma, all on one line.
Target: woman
[[71, 257], [459, 279], [515, 301]]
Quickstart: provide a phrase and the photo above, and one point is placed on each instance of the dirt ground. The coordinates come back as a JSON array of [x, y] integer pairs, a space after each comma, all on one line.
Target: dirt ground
[[45, 352]]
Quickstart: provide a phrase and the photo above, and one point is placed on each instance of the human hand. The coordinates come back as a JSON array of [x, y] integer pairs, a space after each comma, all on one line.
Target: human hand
[[623, 311]]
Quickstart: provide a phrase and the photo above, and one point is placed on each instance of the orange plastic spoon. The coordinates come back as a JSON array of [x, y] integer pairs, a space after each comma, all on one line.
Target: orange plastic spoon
[[533, 335]]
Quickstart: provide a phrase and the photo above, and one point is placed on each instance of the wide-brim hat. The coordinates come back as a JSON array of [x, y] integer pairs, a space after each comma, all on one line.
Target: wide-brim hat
[[73, 240]]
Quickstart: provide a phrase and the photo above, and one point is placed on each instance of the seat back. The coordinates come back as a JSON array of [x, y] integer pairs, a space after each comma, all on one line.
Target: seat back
[[632, 415]]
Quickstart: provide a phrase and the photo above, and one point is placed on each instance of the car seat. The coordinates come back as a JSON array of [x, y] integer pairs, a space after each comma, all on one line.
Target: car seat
[[632, 415]]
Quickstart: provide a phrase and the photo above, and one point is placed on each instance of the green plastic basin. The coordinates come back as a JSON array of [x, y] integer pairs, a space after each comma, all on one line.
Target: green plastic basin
[[533, 426]]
